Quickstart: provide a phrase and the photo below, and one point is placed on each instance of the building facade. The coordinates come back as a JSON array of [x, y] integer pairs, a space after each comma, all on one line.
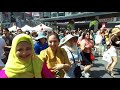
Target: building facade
[[82, 17]]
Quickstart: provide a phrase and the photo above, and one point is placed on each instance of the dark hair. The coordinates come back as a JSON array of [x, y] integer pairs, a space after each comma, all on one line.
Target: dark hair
[[80, 33], [19, 29], [110, 31], [34, 33], [55, 34], [28, 32], [84, 34], [6, 29], [114, 40]]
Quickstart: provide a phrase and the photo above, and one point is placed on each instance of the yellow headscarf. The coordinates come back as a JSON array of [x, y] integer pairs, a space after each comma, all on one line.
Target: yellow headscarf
[[17, 68]]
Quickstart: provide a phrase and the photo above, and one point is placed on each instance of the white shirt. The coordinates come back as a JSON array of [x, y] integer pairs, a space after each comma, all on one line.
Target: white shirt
[[75, 53], [112, 50], [107, 55], [98, 39]]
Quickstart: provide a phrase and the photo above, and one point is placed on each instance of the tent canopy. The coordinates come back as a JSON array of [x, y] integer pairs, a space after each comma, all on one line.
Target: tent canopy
[[13, 28], [117, 25], [27, 28], [42, 27]]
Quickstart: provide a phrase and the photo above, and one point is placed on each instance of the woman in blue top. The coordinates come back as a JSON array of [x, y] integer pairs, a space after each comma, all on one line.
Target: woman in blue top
[[41, 43]]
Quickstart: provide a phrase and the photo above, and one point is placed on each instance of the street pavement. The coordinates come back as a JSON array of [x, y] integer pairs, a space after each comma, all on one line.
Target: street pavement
[[98, 69]]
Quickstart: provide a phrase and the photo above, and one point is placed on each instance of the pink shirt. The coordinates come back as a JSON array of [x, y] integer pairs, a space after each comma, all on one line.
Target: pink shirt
[[88, 45], [45, 73]]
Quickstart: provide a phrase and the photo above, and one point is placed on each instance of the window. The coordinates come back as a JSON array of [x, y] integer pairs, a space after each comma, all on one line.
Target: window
[[47, 23], [74, 12], [41, 14], [61, 14], [54, 14], [46, 14], [118, 19]]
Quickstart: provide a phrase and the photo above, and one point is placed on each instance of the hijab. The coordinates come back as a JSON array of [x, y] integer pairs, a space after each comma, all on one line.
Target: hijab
[[17, 68]]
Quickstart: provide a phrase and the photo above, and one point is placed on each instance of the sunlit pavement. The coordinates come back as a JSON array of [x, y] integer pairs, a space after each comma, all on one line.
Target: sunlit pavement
[[98, 69]]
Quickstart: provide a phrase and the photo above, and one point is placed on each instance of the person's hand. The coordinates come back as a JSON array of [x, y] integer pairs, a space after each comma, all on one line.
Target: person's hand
[[118, 42], [71, 61], [58, 66]]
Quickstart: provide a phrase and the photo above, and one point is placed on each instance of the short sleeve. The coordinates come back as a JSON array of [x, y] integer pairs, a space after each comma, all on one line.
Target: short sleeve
[[3, 42], [42, 55]]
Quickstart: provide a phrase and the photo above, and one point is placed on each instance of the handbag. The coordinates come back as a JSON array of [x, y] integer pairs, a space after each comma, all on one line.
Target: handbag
[[92, 57], [77, 71]]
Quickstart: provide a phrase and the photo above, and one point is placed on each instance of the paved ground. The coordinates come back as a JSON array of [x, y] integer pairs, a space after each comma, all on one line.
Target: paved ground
[[98, 69]]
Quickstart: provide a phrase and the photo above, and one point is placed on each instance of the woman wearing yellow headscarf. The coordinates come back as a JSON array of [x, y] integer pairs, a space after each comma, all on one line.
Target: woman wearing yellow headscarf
[[22, 61]]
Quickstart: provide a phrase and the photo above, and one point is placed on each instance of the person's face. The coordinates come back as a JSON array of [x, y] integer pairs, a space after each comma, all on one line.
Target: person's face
[[34, 34], [53, 42], [71, 42], [42, 40], [75, 40], [19, 31], [5, 32], [24, 50], [87, 35]]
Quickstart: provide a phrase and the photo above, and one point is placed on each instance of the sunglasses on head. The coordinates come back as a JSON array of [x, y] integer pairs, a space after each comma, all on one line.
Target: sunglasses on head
[[67, 33]]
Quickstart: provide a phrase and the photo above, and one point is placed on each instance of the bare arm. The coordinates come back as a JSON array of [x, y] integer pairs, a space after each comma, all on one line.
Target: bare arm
[[82, 46], [65, 67], [7, 46]]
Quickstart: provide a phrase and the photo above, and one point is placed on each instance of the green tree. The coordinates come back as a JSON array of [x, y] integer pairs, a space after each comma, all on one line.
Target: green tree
[[71, 25]]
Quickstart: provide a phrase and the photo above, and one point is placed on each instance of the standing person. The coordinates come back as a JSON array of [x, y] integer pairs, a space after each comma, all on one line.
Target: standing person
[[23, 62], [8, 39], [34, 35], [55, 57], [19, 31], [99, 48], [86, 46], [69, 44], [2, 56], [41, 43], [98, 38], [113, 44]]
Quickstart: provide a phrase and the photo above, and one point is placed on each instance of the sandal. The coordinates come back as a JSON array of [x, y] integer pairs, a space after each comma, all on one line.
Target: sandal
[[111, 74]]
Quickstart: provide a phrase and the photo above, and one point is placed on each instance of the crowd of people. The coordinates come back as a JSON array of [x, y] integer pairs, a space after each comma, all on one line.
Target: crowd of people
[[55, 54]]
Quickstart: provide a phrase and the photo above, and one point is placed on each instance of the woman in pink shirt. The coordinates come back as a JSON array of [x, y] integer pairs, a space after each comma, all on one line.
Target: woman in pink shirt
[[86, 46]]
